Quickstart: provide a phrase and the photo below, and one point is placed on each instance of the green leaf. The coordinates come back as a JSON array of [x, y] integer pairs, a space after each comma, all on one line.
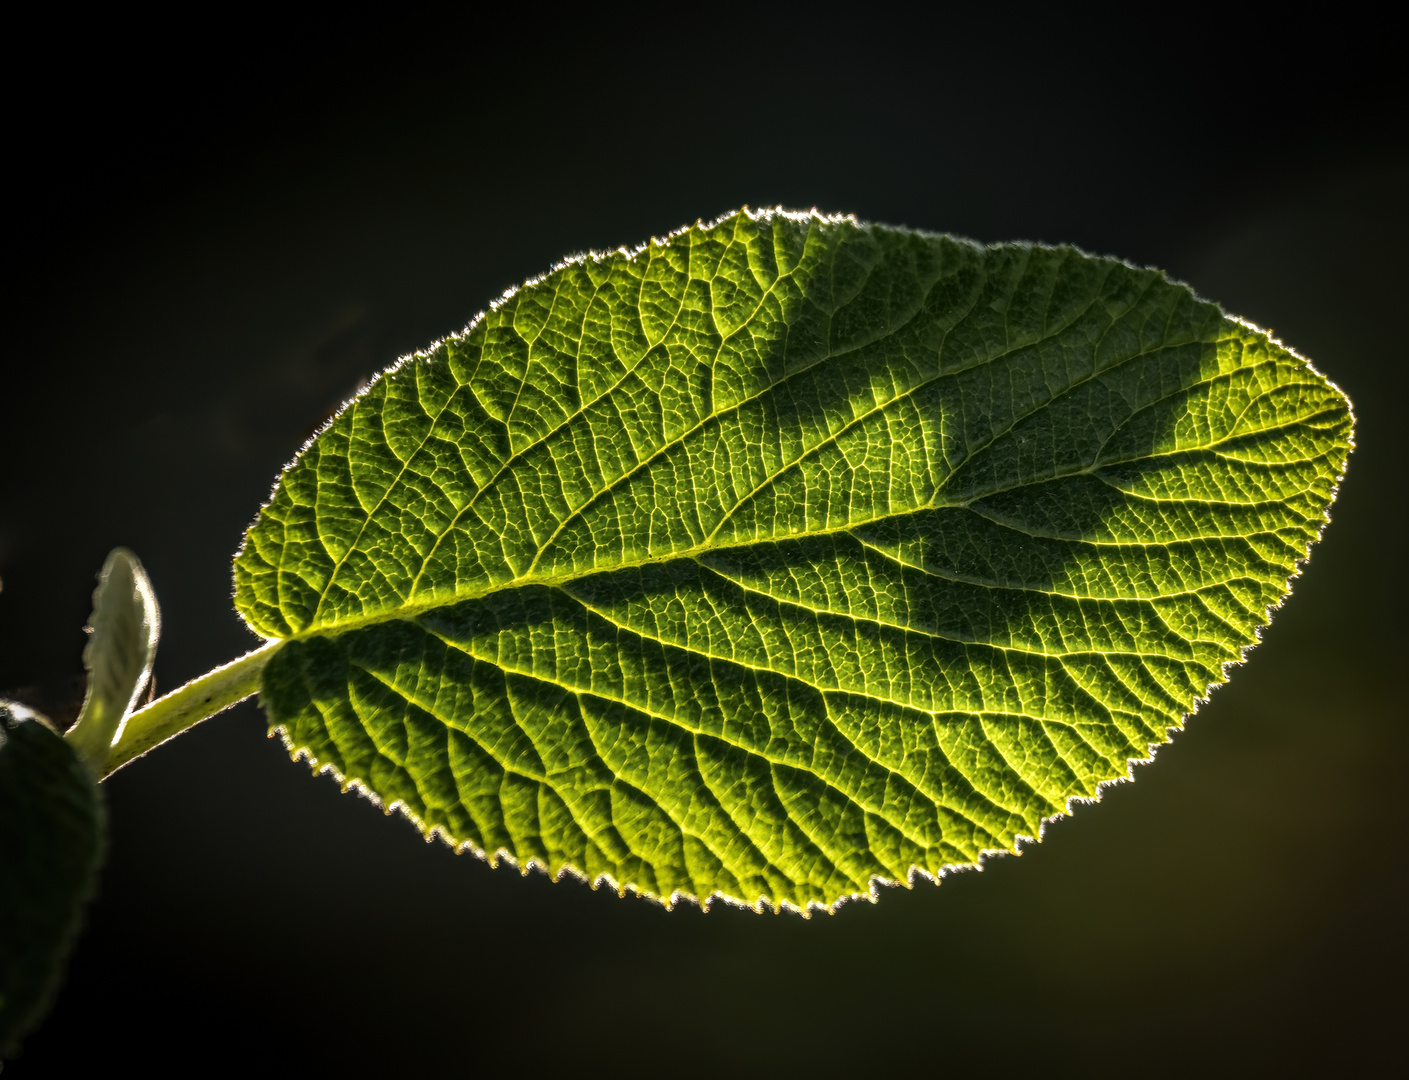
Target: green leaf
[[51, 840], [787, 555], [125, 625]]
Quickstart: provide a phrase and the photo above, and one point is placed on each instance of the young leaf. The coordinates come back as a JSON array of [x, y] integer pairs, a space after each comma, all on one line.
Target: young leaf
[[51, 829], [787, 555], [125, 625]]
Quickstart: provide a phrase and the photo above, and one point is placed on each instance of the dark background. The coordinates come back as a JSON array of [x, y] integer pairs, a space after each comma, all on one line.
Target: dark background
[[214, 236]]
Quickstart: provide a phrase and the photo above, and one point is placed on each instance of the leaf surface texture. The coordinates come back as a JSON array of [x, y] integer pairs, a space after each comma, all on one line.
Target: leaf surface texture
[[787, 554], [125, 626], [51, 843]]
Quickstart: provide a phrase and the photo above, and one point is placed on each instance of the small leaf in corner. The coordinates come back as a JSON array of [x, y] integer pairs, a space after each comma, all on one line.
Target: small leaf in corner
[[51, 844]]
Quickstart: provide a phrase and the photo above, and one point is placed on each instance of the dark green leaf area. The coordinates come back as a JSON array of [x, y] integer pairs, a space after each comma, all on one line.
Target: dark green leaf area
[[51, 842], [787, 554]]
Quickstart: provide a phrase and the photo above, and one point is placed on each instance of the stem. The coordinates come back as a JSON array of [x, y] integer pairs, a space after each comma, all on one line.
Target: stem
[[198, 700]]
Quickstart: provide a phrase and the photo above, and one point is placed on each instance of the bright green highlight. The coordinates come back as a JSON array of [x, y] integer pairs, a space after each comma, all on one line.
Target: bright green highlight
[[198, 700], [787, 554], [124, 628]]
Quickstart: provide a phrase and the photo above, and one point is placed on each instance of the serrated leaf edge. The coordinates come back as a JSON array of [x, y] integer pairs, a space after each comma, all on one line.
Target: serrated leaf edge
[[764, 903]]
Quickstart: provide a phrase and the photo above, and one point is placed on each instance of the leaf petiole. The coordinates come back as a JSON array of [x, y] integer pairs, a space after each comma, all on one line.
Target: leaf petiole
[[187, 706]]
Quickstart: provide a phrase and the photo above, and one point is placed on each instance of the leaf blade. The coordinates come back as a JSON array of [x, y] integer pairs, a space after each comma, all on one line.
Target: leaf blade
[[125, 626], [889, 545], [51, 845]]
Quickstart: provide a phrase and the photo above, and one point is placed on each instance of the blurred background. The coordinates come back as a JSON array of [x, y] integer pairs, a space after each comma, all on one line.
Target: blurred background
[[212, 243]]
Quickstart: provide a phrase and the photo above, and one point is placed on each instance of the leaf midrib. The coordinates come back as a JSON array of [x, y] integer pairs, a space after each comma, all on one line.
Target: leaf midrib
[[411, 610], [832, 437], [713, 415]]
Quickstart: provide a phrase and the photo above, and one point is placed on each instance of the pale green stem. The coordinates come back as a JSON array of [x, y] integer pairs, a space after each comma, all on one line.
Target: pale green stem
[[198, 700]]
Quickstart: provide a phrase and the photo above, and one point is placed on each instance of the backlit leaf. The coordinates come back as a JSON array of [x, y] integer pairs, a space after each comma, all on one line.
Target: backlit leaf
[[125, 625], [787, 555]]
